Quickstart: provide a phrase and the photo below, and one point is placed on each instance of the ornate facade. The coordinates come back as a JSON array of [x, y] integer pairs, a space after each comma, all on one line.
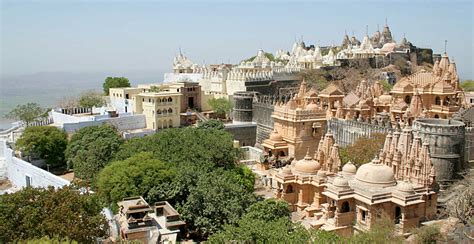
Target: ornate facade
[[399, 184], [298, 124]]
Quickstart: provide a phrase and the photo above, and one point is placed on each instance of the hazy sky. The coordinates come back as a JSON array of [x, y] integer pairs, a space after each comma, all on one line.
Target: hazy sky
[[91, 36]]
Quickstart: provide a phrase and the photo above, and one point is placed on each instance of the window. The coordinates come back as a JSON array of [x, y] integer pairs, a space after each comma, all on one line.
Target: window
[[289, 189], [28, 180], [438, 100], [170, 99], [170, 110], [158, 111], [363, 215], [126, 96]]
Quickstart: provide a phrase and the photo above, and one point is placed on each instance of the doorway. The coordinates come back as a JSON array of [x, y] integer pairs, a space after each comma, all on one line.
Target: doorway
[[190, 102]]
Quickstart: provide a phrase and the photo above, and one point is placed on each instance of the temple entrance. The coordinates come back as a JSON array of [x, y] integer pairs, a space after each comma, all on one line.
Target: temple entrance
[[398, 215], [190, 102]]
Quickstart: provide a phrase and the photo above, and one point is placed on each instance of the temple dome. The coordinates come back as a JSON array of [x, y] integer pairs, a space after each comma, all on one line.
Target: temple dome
[[287, 170], [275, 136], [375, 173], [349, 168], [340, 181], [307, 165], [405, 187]]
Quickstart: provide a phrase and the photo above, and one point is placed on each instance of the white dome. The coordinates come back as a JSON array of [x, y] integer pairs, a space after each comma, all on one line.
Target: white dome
[[405, 187], [349, 168], [307, 165], [375, 173], [340, 181]]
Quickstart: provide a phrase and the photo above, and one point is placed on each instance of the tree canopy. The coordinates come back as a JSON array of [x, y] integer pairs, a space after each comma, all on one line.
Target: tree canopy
[[269, 221], [37, 212], [134, 176], [198, 176], [28, 113], [216, 200], [91, 99], [220, 106], [363, 150], [91, 148], [114, 82], [47, 142], [468, 85], [211, 124]]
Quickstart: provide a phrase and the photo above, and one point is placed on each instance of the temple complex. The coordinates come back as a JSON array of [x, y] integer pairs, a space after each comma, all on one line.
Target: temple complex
[[399, 184]]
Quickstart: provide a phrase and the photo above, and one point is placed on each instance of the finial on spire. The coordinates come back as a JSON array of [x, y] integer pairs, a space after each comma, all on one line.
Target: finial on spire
[[366, 30], [404, 36], [445, 45], [386, 22], [345, 32], [378, 27]]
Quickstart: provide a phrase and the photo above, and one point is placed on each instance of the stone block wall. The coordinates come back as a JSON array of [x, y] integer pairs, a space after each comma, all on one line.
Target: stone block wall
[[244, 133], [346, 132]]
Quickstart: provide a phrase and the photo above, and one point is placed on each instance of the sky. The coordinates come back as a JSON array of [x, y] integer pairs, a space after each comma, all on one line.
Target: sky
[[135, 36]]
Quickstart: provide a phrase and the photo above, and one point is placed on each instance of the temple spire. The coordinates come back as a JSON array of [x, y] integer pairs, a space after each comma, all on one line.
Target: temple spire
[[445, 45]]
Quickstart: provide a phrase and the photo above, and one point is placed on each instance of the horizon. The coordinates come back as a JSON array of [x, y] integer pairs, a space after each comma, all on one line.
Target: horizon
[[121, 37]]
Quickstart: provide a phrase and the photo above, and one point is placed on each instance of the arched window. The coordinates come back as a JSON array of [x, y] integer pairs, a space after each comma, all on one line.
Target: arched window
[[289, 189], [158, 111], [170, 123], [436, 116], [345, 207], [407, 99], [170, 99], [164, 111], [170, 110], [438, 100]]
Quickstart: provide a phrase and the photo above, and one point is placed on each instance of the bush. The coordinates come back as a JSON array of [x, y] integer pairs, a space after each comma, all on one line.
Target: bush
[[363, 150], [428, 234]]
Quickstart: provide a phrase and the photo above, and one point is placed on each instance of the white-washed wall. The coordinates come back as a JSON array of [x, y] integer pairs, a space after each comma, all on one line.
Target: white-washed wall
[[18, 170], [131, 122]]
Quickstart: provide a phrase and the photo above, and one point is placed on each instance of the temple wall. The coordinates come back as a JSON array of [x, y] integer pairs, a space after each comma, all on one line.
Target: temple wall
[[242, 111], [446, 139], [244, 133], [346, 132], [262, 116]]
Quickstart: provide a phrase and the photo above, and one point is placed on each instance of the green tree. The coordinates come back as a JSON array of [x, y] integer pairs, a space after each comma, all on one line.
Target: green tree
[[155, 89], [91, 148], [38, 212], [269, 221], [113, 82], [268, 210], [468, 85], [186, 145], [363, 150], [216, 200], [47, 142], [27, 113], [386, 86], [220, 106], [382, 231], [212, 123], [91, 99], [134, 176]]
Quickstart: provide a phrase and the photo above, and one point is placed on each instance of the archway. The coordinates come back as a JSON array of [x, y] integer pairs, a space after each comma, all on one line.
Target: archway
[[345, 207]]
